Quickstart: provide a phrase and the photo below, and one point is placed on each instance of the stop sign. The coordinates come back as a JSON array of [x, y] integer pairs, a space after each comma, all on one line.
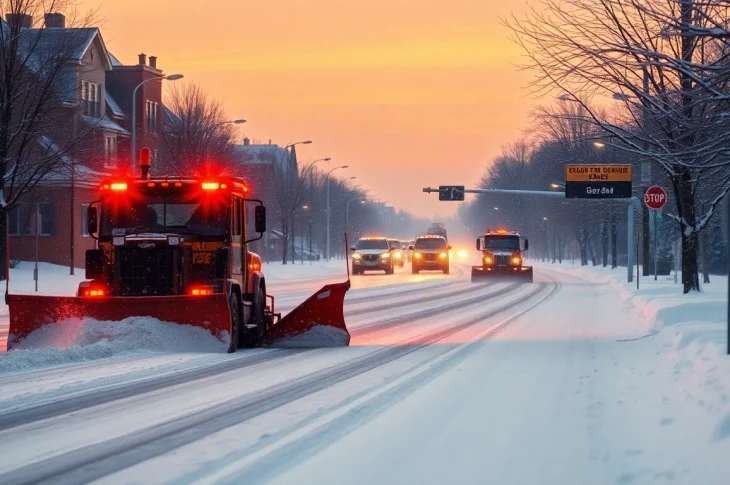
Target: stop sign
[[655, 197]]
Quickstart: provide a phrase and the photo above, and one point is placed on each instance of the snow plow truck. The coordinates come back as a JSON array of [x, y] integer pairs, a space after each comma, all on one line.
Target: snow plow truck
[[501, 257], [177, 249]]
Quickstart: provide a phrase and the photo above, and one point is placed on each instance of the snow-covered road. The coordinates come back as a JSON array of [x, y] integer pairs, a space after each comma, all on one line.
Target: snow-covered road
[[444, 382]]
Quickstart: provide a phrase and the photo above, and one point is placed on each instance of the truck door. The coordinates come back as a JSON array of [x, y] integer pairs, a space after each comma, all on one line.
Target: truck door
[[237, 248]]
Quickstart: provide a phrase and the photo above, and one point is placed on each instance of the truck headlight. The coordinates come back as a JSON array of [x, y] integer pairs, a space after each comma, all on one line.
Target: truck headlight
[[417, 255], [488, 259], [516, 260]]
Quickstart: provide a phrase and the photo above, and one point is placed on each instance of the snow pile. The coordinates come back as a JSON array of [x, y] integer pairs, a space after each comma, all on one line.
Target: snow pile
[[317, 336], [695, 326], [77, 340]]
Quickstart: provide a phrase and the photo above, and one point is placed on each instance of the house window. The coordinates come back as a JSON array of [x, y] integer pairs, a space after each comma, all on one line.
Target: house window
[[14, 221], [48, 219], [110, 151], [84, 220], [152, 113], [91, 97]]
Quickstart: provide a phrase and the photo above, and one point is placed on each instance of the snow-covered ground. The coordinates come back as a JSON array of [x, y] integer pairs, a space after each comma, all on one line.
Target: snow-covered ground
[[575, 379]]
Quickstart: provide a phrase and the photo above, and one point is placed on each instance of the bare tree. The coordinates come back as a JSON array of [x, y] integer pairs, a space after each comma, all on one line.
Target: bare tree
[[654, 57], [196, 130], [291, 184], [38, 126]]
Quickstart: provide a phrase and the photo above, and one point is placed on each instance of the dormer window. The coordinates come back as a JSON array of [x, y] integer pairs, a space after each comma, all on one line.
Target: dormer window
[[91, 98]]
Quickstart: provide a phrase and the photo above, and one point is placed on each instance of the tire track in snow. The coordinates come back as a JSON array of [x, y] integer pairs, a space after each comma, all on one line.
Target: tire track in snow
[[109, 393], [307, 438], [98, 460], [105, 394]]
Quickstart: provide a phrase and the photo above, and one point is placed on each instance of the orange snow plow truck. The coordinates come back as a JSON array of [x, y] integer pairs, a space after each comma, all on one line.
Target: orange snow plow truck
[[177, 249]]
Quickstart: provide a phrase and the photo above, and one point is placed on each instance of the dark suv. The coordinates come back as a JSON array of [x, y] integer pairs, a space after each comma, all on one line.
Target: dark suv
[[372, 254], [430, 253]]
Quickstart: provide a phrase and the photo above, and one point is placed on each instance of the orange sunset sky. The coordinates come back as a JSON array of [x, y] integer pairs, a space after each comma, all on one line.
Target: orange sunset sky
[[409, 93]]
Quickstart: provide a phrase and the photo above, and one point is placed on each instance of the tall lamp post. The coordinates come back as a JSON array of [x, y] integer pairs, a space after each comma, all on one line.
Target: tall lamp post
[[305, 208], [347, 210], [133, 153], [328, 207]]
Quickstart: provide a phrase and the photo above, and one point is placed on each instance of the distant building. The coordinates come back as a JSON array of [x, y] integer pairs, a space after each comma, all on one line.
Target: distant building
[[259, 165]]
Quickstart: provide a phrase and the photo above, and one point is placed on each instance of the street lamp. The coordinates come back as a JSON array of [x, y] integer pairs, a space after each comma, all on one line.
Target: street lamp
[[599, 144], [306, 142], [305, 207], [133, 154], [347, 210], [210, 132], [328, 207], [556, 185]]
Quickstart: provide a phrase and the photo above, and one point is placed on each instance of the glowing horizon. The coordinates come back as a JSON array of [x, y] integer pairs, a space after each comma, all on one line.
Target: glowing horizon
[[426, 95]]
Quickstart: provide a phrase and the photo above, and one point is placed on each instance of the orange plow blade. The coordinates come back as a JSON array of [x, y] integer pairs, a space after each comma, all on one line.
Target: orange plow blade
[[318, 322], [31, 312]]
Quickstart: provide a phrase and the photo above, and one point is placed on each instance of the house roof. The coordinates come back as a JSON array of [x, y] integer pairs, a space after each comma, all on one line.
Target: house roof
[[264, 154], [113, 105], [62, 173], [115, 62], [105, 123]]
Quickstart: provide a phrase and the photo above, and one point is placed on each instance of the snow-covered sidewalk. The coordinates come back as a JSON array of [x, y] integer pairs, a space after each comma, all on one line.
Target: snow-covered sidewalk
[[692, 327]]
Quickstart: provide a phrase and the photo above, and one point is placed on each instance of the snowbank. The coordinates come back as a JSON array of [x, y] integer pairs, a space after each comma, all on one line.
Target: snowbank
[[317, 336], [77, 340], [695, 326]]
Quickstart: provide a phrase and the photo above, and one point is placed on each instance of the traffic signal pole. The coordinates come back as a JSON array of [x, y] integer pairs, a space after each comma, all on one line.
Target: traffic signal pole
[[631, 203]]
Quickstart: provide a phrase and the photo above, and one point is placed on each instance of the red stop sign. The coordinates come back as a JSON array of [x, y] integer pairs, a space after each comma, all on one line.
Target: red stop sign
[[655, 197]]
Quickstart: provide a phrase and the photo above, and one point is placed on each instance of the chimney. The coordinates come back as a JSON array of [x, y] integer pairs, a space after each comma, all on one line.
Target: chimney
[[142, 60], [153, 62], [246, 142], [21, 19], [55, 20]]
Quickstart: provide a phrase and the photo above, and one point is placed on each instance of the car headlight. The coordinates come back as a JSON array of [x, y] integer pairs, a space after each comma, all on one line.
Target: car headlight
[[417, 255], [385, 256], [397, 255], [443, 255], [356, 256]]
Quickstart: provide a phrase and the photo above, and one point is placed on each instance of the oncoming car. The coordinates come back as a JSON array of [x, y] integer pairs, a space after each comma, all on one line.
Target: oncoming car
[[430, 253], [398, 255], [372, 254]]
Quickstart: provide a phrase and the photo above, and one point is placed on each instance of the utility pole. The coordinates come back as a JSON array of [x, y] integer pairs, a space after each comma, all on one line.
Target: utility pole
[[645, 183]]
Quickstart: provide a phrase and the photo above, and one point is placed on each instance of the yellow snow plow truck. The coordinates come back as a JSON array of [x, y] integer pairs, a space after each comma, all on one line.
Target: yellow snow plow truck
[[501, 257]]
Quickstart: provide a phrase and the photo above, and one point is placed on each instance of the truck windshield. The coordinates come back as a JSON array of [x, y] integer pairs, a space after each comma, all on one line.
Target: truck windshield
[[372, 244], [157, 214], [430, 243], [502, 242]]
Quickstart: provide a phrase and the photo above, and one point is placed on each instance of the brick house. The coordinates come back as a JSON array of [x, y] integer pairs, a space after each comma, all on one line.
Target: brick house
[[98, 96]]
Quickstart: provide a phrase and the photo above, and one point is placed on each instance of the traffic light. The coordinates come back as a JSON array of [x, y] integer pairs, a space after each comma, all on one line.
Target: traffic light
[[451, 192]]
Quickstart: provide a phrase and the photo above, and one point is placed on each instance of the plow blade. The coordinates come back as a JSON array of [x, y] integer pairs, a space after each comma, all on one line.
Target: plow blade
[[318, 322], [31, 312], [479, 274]]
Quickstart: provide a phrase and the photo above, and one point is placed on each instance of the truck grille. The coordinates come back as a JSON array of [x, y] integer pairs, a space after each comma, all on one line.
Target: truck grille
[[146, 271], [430, 256], [502, 259]]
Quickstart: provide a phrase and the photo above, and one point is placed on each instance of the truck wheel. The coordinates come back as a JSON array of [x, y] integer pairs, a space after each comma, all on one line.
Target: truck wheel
[[235, 306], [255, 337]]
